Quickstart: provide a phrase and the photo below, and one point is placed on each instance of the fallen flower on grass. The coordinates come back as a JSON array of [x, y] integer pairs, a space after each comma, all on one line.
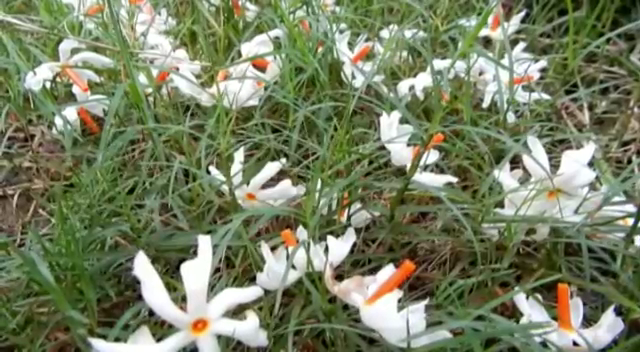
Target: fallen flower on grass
[[496, 28], [545, 194], [377, 298], [71, 116], [567, 334], [252, 195], [202, 321], [418, 84], [386, 49], [304, 254], [43, 74], [245, 9], [355, 70]]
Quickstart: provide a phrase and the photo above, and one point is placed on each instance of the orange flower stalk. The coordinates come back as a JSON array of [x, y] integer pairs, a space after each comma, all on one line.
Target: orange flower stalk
[[523, 79], [564, 307], [394, 281], [343, 205], [75, 78], [435, 140], [361, 54], [261, 64], [162, 77], [289, 238], [237, 8], [222, 75], [304, 24], [94, 10], [495, 20], [92, 126]]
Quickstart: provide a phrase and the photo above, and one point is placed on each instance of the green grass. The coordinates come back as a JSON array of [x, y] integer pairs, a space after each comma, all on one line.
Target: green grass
[[65, 271]]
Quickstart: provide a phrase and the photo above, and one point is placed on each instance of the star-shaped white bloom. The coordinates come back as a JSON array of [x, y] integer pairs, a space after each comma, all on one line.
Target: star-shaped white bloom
[[545, 194], [70, 117], [349, 212], [497, 28], [567, 334], [202, 321], [245, 9], [43, 74], [355, 70], [506, 79], [376, 298], [395, 137], [306, 255], [175, 69], [141, 339], [389, 50], [417, 85], [252, 195], [605, 207]]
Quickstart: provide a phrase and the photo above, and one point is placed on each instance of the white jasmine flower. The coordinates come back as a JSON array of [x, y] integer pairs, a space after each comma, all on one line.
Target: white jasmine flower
[[377, 298], [252, 195], [417, 85], [176, 69], [497, 28], [203, 320], [393, 32], [70, 117], [355, 71], [43, 74], [246, 9], [567, 334]]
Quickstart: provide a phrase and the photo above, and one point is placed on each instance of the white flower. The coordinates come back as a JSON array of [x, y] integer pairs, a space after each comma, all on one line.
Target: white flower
[[355, 71], [141, 16], [176, 69], [234, 93], [395, 137], [393, 32], [567, 333], [617, 208], [506, 78], [252, 195], [305, 255], [545, 194], [377, 298], [202, 321], [418, 84], [352, 213], [70, 117], [496, 28], [43, 74], [245, 9], [86, 10], [262, 66]]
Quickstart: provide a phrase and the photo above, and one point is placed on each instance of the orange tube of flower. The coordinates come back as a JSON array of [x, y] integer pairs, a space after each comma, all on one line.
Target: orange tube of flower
[[394, 281], [86, 118]]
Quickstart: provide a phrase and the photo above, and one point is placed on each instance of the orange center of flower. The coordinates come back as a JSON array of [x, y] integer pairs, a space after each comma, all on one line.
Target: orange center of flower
[[361, 54], [94, 10], [259, 84], [445, 97], [552, 194], [136, 2], [222, 75], [564, 308], [92, 126], [626, 221], [523, 79], [495, 21], [237, 8], [251, 197], [289, 238], [75, 78], [260, 64], [199, 327], [394, 281], [304, 24], [320, 45]]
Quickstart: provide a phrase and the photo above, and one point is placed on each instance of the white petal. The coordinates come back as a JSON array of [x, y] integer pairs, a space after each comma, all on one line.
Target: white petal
[[231, 297], [207, 343], [195, 277], [215, 173], [576, 309], [67, 119], [155, 293], [339, 248], [606, 330], [573, 157], [141, 336], [170, 344], [267, 172], [283, 191], [237, 165], [65, 47], [272, 276], [87, 75], [247, 331], [538, 163], [430, 179], [404, 87], [520, 300], [92, 58]]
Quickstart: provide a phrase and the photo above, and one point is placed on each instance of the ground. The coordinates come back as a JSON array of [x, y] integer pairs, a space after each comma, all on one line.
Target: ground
[[74, 210]]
